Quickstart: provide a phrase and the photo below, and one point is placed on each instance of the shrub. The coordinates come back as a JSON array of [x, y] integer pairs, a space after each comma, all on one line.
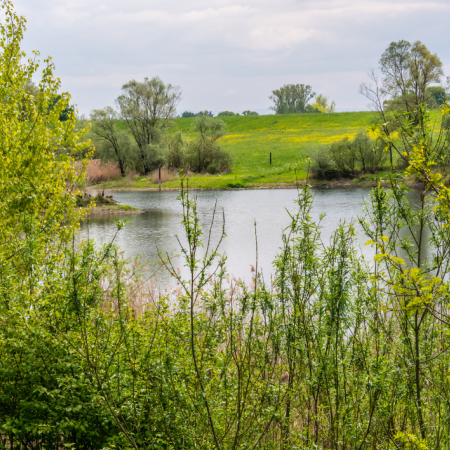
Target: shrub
[[205, 150], [322, 166], [212, 169], [364, 150], [344, 155], [176, 151]]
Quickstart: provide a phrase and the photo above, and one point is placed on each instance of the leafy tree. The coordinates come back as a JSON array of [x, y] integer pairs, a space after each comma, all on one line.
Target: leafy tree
[[291, 98], [187, 114], [250, 113], [438, 94], [176, 150], [322, 165], [408, 70], [66, 112], [104, 127], [226, 114], [322, 105], [205, 150], [345, 156], [205, 113], [149, 108], [38, 216]]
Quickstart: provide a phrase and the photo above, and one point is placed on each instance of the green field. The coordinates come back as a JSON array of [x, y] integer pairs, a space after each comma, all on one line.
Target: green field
[[251, 139]]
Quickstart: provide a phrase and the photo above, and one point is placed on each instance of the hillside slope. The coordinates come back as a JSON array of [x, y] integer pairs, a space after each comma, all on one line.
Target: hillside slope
[[251, 139]]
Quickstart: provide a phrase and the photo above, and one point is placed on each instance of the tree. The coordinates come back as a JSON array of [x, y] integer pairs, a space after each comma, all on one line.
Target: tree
[[226, 114], [149, 109], [322, 105], [205, 151], [250, 113], [291, 98], [66, 112], [104, 127], [176, 150], [438, 94], [187, 114], [408, 70], [205, 113]]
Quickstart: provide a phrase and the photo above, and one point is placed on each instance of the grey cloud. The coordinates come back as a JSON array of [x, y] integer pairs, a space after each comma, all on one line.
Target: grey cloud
[[226, 54]]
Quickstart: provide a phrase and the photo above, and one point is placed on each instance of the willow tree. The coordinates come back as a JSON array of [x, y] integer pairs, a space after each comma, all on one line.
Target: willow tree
[[149, 108], [292, 98]]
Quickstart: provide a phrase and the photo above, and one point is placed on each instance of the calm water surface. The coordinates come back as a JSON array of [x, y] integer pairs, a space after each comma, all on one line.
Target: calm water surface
[[161, 222]]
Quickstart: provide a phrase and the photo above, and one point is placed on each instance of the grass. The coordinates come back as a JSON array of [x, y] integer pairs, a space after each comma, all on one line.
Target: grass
[[251, 139]]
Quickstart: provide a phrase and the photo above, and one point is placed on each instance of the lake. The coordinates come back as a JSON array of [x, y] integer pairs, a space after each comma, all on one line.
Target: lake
[[161, 222]]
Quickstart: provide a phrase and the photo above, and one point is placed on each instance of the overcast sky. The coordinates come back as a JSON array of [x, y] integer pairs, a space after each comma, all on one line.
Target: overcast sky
[[226, 54]]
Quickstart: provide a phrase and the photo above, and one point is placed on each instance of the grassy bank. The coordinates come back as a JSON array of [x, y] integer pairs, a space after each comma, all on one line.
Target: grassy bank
[[251, 139]]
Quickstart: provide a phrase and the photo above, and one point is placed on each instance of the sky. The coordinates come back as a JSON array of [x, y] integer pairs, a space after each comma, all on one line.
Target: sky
[[226, 54]]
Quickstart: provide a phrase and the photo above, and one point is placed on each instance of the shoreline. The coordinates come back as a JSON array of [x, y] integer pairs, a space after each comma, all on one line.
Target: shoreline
[[336, 184], [108, 211]]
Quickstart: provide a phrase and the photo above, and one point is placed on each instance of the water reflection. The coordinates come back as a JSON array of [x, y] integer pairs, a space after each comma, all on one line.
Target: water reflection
[[161, 221]]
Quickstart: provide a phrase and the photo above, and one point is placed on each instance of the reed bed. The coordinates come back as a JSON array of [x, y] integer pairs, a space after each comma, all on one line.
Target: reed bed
[[98, 172]]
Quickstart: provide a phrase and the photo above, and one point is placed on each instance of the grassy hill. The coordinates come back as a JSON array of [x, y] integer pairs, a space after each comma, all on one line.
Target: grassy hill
[[251, 139]]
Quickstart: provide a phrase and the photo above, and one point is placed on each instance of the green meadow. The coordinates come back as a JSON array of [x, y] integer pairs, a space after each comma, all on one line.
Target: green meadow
[[251, 140]]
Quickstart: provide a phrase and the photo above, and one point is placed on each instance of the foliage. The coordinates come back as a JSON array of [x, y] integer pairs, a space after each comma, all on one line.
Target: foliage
[[408, 70], [149, 108], [104, 128], [176, 151], [322, 105], [226, 114], [322, 165], [338, 352], [188, 114], [438, 94], [205, 151], [66, 112], [347, 157], [249, 139], [204, 113], [42, 392], [250, 113], [291, 98]]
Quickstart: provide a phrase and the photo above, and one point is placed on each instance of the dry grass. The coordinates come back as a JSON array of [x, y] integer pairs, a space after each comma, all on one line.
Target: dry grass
[[166, 175], [98, 172], [132, 175]]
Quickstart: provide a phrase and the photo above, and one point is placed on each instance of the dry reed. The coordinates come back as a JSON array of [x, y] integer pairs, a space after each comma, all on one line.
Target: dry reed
[[98, 172], [166, 175]]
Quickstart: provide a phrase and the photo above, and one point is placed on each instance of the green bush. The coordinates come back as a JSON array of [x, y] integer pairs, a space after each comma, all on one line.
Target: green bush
[[176, 153], [211, 169], [322, 166], [205, 150], [345, 156]]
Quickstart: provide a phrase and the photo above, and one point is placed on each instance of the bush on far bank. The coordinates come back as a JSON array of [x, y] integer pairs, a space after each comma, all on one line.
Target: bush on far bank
[[348, 158]]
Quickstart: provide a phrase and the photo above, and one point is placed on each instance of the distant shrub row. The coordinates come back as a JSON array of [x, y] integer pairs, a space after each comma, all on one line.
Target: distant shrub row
[[188, 114], [348, 157]]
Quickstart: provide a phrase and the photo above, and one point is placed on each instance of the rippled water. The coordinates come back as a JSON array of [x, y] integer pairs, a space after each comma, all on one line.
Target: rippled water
[[161, 222]]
